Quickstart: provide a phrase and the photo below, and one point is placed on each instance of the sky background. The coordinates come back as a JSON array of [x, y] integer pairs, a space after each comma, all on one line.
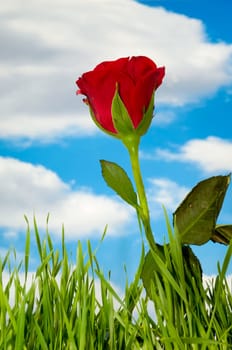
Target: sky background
[[50, 148]]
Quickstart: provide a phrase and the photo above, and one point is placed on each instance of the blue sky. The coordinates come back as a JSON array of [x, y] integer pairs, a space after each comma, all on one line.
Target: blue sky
[[50, 148]]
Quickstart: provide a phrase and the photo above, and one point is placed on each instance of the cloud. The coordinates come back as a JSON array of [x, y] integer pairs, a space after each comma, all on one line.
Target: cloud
[[56, 126], [211, 154], [164, 117], [46, 50], [20, 48], [165, 192], [32, 189]]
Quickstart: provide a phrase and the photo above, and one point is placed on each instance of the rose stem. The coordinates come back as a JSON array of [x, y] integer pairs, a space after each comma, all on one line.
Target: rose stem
[[132, 144]]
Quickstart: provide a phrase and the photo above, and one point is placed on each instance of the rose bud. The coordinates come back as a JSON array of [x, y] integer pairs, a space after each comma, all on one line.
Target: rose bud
[[120, 94]]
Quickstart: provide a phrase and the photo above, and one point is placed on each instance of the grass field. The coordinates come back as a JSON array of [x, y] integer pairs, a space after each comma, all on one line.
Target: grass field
[[74, 306]]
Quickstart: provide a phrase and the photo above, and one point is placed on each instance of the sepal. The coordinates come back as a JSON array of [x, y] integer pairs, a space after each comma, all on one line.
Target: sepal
[[121, 119], [147, 118]]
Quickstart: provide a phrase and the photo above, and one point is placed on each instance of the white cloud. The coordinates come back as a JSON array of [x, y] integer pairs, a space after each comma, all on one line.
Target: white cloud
[[32, 189], [164, 117], [211, 154], [56, 126], [165, 192], [46, 47]]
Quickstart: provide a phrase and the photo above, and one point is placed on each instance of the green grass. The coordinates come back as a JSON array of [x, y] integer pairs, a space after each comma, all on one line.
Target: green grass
[[74, 306]]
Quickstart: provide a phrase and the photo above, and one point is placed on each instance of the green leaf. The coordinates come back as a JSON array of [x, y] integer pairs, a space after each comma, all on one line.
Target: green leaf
[[191, 262], [160, 270], [149, 271], [121, 119], [222, 234], [195, 219], [117, 179]]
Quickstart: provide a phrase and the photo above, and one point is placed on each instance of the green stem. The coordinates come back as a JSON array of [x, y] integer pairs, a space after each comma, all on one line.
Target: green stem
[[132, 144]]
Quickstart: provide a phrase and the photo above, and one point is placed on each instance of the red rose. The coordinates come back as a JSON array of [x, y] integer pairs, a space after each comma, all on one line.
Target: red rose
[[136, 79]]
